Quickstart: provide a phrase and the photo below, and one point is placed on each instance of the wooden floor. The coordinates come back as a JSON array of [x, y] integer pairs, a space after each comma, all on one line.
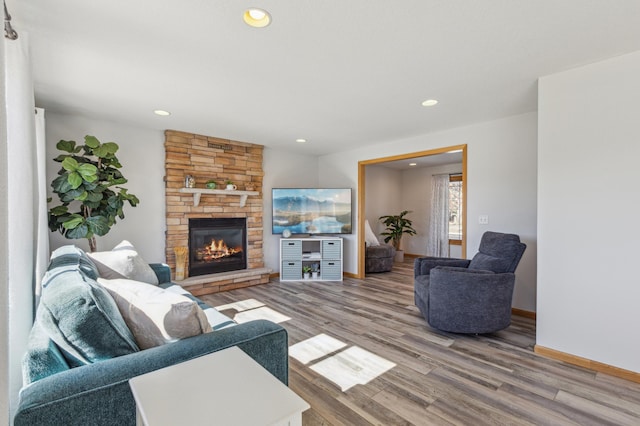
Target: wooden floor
[[436, 378]]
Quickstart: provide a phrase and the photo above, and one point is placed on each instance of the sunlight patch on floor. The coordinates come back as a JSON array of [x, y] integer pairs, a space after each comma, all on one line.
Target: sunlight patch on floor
[[260, 313], [315, 347], [240, 306], [353, 366], [346, 368], [251, 309]]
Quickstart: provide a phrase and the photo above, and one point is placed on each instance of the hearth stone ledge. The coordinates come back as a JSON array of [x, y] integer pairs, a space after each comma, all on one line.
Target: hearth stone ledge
[[224, 281]]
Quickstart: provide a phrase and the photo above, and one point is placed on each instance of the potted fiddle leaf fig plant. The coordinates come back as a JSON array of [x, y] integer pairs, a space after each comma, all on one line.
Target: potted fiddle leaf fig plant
[[88, 186], [397, 226]]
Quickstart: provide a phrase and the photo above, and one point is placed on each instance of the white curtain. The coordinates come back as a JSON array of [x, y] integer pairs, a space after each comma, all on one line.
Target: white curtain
[[41, 225], [438, 240], [26, 220]]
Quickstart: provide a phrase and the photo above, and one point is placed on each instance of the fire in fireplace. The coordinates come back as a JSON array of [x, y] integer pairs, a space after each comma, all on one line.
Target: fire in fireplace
[[217, 245]]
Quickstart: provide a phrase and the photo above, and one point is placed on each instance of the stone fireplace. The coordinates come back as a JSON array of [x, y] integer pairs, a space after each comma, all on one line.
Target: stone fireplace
[[207, 158]]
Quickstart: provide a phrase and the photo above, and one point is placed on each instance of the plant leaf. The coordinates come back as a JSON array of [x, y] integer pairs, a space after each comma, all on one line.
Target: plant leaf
[[73, 222], [61, 184], [111, 147], [58, 210], [66, 146], [118, 181], [98, 225], [77, 233], [91, 141], [70, 164], [60, 158], [94, 197], [75, 180], [89, 172]]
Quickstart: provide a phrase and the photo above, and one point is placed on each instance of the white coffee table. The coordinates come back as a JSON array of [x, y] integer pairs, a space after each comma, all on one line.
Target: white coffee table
[[224, 388]]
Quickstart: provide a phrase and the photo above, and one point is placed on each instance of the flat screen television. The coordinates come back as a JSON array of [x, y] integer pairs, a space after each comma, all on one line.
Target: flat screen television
[[311, 210]]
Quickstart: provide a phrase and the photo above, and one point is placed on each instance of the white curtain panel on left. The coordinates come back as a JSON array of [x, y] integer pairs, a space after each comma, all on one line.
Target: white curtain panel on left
[[27, 243], [438, 239], [41, 220]]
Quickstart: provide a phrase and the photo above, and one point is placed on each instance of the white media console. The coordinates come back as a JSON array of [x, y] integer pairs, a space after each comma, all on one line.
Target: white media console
[[323, 252]]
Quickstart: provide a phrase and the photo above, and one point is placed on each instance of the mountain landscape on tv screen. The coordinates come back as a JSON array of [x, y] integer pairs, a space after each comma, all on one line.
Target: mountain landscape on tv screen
[[304, 214]]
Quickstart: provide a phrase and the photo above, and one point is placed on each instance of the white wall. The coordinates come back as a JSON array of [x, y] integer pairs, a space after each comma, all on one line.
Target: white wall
[[501, 183], [588, 178], [283, 169], [141, 154], [383, 195]]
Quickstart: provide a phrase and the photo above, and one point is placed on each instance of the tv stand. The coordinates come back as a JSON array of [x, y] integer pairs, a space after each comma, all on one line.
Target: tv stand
[[324, 252]]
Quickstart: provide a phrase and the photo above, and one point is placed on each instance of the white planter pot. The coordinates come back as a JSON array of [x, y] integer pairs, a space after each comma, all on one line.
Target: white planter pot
[[399, 257]]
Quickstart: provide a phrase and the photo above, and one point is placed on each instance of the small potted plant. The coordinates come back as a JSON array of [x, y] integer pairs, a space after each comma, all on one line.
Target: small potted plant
[[211, 184], [315, 270], [397, 226], [230, 185], [306, 272]]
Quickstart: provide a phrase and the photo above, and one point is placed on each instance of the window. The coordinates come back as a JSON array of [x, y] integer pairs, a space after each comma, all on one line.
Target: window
[[455, 209]]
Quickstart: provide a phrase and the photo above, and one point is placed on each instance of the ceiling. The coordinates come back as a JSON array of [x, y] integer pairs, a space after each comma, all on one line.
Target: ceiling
[[341, 74], [453, 157]]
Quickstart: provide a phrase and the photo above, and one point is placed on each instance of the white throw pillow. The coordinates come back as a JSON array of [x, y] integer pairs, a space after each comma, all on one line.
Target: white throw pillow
[[369, 237], [123, 262], [156, 316]]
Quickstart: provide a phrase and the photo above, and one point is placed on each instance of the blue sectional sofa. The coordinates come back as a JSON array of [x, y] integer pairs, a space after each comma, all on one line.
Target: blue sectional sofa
[[71, 382]]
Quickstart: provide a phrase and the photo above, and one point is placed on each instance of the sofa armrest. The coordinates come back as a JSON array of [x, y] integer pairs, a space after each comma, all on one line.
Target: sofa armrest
[[163, 272], [424, 265], [99, 394]]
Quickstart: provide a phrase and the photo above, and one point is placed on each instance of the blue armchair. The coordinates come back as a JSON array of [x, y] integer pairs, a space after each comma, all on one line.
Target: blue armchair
[[470, 296]]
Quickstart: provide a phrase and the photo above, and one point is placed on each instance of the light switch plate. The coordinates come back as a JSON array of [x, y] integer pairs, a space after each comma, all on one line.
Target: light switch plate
[[483, 219]]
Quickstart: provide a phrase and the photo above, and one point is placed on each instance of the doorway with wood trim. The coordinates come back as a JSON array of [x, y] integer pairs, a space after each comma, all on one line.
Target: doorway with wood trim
[[405, 178]]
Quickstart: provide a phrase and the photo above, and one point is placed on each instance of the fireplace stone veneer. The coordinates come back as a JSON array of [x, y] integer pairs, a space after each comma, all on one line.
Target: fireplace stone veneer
[[208, 158]]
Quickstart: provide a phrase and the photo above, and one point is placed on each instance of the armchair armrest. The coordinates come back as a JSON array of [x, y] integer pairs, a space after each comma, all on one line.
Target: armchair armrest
[[99, 393], [424, 265]]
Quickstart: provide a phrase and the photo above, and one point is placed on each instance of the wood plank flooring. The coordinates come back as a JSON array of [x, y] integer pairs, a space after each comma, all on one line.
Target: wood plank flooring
[[437, 378]]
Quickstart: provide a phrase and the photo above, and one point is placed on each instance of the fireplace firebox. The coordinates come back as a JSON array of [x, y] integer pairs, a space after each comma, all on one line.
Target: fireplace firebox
[[217, 245]]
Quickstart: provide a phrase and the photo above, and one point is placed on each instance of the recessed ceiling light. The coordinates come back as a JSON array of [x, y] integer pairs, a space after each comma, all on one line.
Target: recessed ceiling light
[[429, 102], [161, 112], [301, 140], [413, 164], [257, 18]]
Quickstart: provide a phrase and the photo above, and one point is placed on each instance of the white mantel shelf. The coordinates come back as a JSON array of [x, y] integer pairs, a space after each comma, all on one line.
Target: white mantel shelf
[[197, 192]]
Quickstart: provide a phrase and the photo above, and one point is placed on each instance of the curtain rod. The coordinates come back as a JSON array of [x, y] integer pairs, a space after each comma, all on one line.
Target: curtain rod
[[9, 32]]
